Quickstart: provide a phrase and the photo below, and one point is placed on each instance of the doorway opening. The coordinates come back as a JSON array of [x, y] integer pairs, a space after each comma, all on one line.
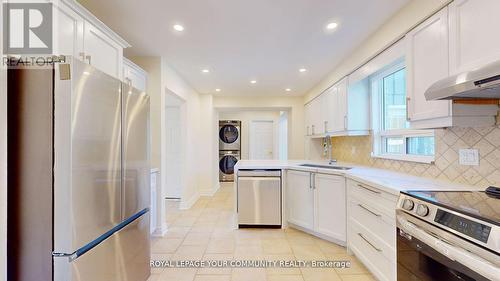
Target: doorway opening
[[174, 154]]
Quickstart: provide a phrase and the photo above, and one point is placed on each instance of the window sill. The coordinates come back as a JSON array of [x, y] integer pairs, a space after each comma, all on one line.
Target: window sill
[[407, 158]]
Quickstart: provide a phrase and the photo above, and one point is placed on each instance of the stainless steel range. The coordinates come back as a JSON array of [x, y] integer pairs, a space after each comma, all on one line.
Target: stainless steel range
[[448, 235]]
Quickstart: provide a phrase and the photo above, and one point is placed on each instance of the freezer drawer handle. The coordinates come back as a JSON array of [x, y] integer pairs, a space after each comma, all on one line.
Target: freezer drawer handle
[[80, 252]]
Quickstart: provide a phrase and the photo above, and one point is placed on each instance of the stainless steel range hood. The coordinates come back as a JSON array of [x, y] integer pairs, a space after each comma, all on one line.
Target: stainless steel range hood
[[480, 83]]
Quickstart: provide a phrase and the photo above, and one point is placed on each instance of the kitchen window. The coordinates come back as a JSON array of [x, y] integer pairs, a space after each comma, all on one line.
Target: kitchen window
[[393, 138]]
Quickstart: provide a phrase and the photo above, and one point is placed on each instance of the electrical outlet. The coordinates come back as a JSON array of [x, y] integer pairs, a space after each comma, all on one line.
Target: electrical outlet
[[469, 157]]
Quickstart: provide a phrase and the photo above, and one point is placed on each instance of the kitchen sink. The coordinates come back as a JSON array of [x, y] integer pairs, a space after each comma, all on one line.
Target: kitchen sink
[[326, 167]]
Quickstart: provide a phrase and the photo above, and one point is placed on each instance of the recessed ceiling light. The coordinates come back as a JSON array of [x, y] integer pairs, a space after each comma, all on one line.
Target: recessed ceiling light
[[332, 26], [288, 89], [253, 81], [179, 27], [206, 70], [217, 90], [302, 70]]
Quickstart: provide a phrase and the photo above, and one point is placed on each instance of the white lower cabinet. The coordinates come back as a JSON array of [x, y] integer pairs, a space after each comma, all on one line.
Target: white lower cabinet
[[300, 198], [371, 228], [329, 206], [316, 203]]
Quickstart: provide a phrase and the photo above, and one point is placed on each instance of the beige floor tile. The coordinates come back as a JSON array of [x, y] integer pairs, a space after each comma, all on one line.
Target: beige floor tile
[[356, 266], [177, 274], [330, 248], [206, 232], [189, 252], [285, 278], [282, 270], [159, 257], [307, 252], [319, 274], [212, 278], [249, 274], [276, 246], [216, 270], [195, 238], [358, 277], [221, 246], [165, 245], [242, 251], [177, 232]]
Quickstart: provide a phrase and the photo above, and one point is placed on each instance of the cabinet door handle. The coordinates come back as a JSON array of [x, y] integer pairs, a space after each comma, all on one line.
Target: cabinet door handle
[[369, 189], [89, 58], [408, 109], [369, 243], [345, 122], [326, 126], [314, 180], [313, 129], [310, 181], [370, 211]]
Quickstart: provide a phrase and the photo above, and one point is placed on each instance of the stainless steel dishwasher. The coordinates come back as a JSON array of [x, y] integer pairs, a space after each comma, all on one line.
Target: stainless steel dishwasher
[[259, 198]]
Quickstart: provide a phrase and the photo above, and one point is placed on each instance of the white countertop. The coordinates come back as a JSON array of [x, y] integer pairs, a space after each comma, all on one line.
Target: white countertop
[[389, 181]]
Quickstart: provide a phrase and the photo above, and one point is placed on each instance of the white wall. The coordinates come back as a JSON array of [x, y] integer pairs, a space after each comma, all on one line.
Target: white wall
[[246, 118], [191, 111], [208, 147], [403, 21], [295, 106], [3, 162]]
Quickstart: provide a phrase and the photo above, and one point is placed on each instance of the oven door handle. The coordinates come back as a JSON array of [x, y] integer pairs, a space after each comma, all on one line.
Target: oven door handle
[[466, 258]]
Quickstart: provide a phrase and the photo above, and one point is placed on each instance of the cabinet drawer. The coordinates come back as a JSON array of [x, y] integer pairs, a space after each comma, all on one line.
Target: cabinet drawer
[[378, 258], [375, 197], [372, 218]]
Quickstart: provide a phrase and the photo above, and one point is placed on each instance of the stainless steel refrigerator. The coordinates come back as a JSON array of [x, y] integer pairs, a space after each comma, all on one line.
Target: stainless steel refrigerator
[[78, 175]]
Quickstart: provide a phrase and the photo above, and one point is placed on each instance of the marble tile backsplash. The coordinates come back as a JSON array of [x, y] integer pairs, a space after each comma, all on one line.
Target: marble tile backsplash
[[446, 166]]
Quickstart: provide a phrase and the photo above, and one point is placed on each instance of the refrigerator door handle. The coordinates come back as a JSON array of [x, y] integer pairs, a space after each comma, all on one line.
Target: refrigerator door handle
[[80, 252]]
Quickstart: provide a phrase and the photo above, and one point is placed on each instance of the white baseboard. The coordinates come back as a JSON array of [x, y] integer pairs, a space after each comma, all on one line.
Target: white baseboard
[[186, 204], [160, 231]]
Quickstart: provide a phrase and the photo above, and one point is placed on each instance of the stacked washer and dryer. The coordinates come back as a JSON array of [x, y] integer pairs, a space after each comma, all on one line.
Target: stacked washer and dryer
[[229, 148]]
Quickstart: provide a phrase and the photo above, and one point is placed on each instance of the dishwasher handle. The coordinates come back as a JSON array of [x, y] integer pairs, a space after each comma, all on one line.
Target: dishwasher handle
[[259, 173]]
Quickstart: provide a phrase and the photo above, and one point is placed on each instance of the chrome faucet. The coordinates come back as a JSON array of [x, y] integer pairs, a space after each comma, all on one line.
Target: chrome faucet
[[327, 144]]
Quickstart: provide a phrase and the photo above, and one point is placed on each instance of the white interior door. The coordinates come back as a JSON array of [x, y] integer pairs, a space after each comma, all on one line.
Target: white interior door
[[173, 152], [262, 140]]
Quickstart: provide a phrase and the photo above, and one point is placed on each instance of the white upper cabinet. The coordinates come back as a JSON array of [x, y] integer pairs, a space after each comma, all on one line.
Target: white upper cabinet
[[474, 39], [427, 62], [340, 110], [80, 34], [308, 116], [68, 28], [102, 52], [134, 75], [458, 38]]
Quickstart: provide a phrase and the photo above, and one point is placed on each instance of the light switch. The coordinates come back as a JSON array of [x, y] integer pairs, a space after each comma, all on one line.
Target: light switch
[[469, 157]]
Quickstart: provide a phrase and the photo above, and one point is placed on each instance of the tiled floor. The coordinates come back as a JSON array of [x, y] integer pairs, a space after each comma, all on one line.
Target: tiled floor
[[205, 232]]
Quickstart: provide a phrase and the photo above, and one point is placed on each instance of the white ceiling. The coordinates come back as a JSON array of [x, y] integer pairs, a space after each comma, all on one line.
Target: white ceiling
[[239, 41]]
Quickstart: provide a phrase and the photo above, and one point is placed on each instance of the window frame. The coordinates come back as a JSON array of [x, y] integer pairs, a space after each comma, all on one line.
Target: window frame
[[379, 134]]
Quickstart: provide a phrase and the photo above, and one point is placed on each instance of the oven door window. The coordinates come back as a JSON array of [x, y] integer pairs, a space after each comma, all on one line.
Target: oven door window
[[418, 261]]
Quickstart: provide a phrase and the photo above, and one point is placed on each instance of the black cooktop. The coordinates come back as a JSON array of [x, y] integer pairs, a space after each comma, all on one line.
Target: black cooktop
[[476, 204]]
